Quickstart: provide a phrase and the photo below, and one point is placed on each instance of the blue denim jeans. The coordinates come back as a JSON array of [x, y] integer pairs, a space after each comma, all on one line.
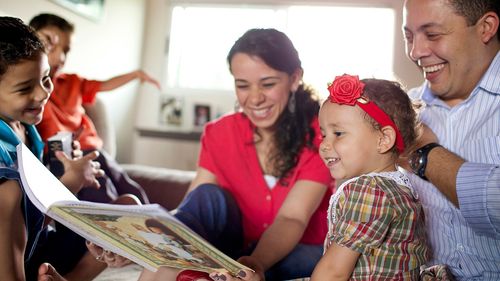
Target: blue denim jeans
[[213, 213]]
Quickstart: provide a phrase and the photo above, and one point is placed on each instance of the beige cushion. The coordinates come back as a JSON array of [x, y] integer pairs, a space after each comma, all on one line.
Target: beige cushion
[[103, 124]]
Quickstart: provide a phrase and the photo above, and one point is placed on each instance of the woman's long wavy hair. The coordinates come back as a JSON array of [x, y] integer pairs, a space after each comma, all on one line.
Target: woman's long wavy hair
[[293, 130]]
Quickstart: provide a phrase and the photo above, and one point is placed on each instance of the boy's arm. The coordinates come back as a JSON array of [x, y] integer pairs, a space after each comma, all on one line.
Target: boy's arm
[[13, 236], [121, 80], [336, 264]]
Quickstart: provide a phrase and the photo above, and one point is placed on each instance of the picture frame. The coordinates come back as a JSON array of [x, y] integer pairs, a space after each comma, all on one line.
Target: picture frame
[[171, 110], [202, 115], [91, 9]]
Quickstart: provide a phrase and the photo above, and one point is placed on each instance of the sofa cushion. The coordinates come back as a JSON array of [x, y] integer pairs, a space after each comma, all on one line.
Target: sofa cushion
[[163, 186]]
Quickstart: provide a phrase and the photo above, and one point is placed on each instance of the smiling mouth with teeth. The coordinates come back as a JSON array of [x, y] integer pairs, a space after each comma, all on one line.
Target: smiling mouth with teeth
[[433, 68], [331, 160]]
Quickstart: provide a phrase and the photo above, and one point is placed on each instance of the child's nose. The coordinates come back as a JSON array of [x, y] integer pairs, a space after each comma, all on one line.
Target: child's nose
[[325, 146], [41, 94]]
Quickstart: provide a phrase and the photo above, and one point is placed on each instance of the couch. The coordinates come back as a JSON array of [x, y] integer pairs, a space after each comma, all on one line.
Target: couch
[[163, 186]]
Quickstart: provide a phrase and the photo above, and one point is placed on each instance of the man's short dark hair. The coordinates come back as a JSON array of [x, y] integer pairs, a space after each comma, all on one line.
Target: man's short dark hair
[[473, 10]]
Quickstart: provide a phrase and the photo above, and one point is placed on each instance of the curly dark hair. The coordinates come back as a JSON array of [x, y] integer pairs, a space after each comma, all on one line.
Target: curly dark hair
[[45, 20], [393, 100], [473, 10], [294, 130], [18, 42]]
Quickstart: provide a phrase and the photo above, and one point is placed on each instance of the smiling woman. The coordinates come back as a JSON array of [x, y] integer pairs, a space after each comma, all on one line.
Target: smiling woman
[[92, 9]]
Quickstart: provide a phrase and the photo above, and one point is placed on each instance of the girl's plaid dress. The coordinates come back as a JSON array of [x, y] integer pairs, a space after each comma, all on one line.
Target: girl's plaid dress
[[379, 216]]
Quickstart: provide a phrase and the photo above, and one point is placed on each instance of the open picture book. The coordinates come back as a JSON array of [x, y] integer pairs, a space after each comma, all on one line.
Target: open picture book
[[146, 234]]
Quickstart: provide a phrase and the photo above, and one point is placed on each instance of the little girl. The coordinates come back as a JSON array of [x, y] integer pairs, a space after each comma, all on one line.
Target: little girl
[[376, 223]]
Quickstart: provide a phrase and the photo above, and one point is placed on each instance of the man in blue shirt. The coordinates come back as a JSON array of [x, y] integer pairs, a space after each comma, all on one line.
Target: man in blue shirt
[[456, 45]]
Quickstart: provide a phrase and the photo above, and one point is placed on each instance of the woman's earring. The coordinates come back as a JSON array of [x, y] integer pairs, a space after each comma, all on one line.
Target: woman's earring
[[237, 106], [292, 102]]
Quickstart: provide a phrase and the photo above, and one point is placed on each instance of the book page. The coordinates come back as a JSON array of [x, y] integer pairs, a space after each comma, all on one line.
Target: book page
[[145, 234], [42, 188]]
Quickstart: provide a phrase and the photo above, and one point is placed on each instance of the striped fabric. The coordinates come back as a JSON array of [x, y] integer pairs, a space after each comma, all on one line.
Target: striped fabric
[[467, 240], [378, 216]]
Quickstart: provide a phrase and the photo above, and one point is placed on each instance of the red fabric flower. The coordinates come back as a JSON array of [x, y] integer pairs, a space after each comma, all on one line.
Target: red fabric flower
[[346, 89]]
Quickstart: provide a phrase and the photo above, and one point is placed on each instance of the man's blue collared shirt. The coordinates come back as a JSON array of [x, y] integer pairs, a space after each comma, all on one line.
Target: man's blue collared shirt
[[466, 239]]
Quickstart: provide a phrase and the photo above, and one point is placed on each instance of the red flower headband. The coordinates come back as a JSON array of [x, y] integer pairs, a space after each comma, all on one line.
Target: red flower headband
[[348, 90]]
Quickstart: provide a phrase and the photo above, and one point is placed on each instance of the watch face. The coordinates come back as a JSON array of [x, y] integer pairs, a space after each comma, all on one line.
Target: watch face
[[416, 162]]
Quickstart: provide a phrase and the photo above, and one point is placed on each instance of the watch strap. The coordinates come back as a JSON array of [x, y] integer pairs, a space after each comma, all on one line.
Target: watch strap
[[423, 152]]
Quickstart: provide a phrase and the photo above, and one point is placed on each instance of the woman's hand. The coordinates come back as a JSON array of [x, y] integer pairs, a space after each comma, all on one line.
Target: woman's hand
[[105, 256], [244, 274]]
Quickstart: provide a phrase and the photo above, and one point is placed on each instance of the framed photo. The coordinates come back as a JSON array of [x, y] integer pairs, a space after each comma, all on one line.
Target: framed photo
[[201, 115], [91, 9], [171, 110]]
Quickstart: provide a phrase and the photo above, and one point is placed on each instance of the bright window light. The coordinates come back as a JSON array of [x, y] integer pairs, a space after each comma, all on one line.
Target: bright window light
[[331, 40]]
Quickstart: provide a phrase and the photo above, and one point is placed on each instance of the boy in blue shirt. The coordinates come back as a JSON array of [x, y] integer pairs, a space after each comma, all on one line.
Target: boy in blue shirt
[[25, 87]]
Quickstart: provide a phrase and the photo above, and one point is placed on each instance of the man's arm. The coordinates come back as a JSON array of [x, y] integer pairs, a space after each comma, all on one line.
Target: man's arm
[[441, 170], [472, 187]]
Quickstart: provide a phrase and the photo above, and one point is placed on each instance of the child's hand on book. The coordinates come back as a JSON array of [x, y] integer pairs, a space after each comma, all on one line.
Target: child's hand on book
[[110, 258]]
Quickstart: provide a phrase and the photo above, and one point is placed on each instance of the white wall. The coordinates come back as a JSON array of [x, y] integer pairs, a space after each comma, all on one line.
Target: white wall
[[101, 50]]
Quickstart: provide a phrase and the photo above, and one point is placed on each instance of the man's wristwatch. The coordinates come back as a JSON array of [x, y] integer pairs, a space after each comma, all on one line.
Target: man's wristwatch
[[418, 159]]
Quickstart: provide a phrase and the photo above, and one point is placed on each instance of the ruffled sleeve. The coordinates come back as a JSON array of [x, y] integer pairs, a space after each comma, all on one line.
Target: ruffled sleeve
[[363, 216]]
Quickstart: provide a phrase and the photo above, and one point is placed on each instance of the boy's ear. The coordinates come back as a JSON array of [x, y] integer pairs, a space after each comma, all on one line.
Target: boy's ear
[[387, 139]]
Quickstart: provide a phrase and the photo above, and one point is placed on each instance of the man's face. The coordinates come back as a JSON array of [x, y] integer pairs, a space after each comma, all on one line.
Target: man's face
[[59, 50], [442, 45]]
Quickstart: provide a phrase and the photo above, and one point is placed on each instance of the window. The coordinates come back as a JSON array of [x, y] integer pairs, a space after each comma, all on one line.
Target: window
[[331, 40]]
